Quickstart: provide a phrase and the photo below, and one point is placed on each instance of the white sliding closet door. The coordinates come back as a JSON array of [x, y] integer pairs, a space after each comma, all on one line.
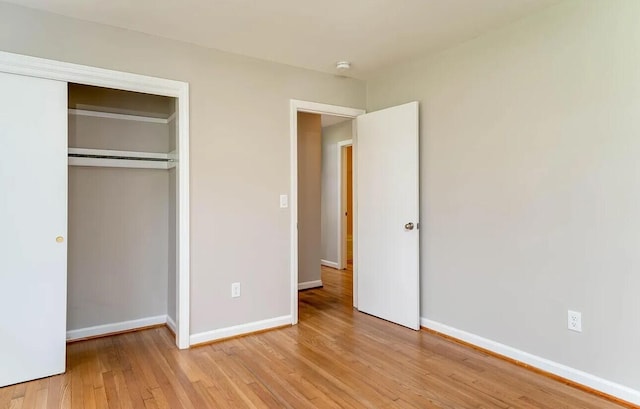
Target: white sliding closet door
[[33, 227]]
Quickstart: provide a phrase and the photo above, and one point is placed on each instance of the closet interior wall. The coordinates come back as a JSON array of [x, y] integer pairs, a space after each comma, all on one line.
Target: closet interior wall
[[122, 234]]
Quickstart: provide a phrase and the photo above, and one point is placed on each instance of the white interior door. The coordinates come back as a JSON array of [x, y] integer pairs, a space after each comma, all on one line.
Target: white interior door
[[387, 214], [33, 227]]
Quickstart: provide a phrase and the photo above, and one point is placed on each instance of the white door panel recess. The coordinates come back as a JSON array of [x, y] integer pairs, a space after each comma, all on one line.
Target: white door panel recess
[[33, 227], [388, 214]]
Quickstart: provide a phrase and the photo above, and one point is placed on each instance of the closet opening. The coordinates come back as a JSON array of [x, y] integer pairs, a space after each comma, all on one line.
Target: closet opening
[[122, 211]]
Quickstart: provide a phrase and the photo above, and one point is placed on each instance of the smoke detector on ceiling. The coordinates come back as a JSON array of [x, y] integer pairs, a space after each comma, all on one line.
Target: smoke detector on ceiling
[[343, 65]]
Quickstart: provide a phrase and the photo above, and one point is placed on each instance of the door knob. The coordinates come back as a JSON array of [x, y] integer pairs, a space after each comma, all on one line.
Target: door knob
[[59, 239], [408, 226]]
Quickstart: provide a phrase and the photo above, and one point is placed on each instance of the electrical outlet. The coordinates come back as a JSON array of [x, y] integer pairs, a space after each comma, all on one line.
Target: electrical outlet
[[574, 321], [235, 290]]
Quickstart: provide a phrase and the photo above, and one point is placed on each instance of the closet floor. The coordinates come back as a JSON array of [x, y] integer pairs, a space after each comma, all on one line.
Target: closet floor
[[336, 357]]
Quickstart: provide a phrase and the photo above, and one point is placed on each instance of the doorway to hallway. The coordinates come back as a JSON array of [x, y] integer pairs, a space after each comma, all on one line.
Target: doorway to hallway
[[325, 200]]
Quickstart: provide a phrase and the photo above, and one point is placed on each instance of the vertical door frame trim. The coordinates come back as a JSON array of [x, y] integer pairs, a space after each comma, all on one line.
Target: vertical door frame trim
[[82, 74], [314, 108], [341, 238]]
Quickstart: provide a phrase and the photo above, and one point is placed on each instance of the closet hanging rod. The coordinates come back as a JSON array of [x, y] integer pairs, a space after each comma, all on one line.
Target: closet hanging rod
[[121, 159], [75, 155], [108, 153]]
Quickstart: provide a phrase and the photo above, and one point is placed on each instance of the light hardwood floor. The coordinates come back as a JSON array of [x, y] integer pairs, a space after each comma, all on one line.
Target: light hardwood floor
[[335, 358]]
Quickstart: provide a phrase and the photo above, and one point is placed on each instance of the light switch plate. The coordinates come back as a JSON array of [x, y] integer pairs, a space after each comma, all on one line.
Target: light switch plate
[[284, 201], [235, 290]]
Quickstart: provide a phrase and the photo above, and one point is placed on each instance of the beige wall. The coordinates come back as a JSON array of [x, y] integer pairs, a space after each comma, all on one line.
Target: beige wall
[[331, 135], [309, 192], [239, 167], [530, 183], [118, 239]]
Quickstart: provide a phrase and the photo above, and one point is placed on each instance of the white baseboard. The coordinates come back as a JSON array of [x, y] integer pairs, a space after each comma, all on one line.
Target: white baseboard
[[329, 264], [583, 378], [115, 327], [242, 329], [309, 284], [172, 324]]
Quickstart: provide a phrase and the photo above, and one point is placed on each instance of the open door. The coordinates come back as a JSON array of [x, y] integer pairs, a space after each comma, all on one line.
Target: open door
[[387, 214], [33, 222]]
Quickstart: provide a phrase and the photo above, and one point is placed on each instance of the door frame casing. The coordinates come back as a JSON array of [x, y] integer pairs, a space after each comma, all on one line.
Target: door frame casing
[[342, 205], [321, 109], [87, 75]]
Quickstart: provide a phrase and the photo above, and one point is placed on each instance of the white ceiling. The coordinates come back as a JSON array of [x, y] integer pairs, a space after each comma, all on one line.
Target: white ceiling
[[372, 34]]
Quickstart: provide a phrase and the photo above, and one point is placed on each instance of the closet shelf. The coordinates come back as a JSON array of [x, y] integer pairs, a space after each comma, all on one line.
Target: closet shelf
[[126, 117], [121, 159]]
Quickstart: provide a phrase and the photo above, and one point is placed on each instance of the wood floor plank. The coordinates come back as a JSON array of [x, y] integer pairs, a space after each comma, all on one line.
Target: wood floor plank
[[16, 403], [19, 390], [274, 374], [110, 390], [41, 399], [30, 393], [163, 374], [159, 399], [335, 358], [5, 397]]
